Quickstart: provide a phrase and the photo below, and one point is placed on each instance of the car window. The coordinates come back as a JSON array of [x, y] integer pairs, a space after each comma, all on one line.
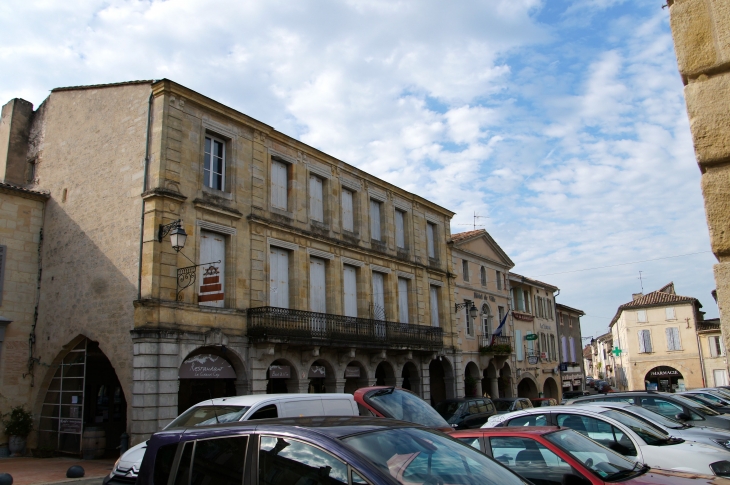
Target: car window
[[600, 431], [502, 405], [517, 405], [666, 408], [490, 407], [526, 404], [183, 469], [473, 442], [695, 405], [284, 461], [265, 412], [714, 399], [205, 415], [163, 462], [447, 409], [530, 459], [647, 433], [364, 411], [482, 406], [473, 408], [529, 420], [626, 400], [599, 460], [357, 479], [219, 461], [406, 406]]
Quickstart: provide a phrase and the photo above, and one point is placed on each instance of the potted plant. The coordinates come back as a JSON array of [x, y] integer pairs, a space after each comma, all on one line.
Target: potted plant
[[18, 424]]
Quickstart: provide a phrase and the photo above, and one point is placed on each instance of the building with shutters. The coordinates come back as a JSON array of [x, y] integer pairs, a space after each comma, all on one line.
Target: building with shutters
[[656, 343], [712, 352], [572, 367], [300, 273], [485, 360], [536, 337]]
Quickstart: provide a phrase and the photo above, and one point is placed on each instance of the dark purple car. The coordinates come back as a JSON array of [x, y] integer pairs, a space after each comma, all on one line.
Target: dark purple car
[[314, 451]]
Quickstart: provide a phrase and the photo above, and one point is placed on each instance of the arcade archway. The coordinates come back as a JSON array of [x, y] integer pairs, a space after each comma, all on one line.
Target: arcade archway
[[321, 376], [665, 379], [281, 378], [207, 373], [411, 379], [550, 388], [441, 380], [356, 376], [505, 381], [489, 381], [384, 374], [527, 388]]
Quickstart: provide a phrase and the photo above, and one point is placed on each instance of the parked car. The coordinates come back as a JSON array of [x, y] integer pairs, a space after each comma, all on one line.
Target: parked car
[[626, 435], [317, 451], [509, 404], [572, 395], [543, 401], [396, 403], [670, 427], [672, 406], [711, 399], [240, 408], [603, 386], [466, 412]]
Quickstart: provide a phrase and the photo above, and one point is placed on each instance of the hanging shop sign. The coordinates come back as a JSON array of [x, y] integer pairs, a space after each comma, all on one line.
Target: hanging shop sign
[[664, 371], [70, 426], [531, 336], [279, 372], [522, 316], [211, 289], [577, 382], [352, 371], [316, 371], [566, 383], [532, 359], [206, 366]]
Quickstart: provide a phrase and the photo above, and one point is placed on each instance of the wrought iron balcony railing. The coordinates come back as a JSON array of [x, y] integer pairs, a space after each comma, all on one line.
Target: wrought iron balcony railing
[[489, 344], [272, 323]]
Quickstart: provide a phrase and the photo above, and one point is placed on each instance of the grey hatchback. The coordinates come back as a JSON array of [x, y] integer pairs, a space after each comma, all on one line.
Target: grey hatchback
[[509, 404]]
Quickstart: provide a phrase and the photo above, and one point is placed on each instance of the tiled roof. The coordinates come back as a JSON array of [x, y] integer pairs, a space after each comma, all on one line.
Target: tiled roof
[[655, 298], [17, 188], [533, 281], [460, 236]]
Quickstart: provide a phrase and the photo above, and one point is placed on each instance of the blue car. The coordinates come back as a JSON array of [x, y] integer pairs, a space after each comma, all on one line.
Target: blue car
[[314, 451]]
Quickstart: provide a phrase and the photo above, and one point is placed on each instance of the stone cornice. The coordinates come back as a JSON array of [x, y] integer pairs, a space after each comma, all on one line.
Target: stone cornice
[[218, 208], [160, 192]]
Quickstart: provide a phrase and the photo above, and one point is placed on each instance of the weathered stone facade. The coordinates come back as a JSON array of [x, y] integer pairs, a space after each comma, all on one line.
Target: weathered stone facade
[[701, 31], [570, 347]]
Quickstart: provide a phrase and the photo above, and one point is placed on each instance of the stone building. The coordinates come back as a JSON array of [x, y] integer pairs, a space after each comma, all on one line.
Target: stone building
[[300, 273], [481, 268], [656, 338], [588, 360], [21, 219], [536, 336], [701, 32], [713, 358], [572, 370], [603, 363]]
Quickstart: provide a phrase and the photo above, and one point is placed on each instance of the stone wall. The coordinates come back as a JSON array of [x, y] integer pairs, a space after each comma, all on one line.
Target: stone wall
[[701, 31]]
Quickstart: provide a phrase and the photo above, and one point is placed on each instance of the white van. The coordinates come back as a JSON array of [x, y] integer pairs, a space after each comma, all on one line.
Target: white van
[[239, 408]]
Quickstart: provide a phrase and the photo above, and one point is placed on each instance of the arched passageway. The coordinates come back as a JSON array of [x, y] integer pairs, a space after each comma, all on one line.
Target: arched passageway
[[411, 379], [207, 373], [550, 388], [441, 380], [664, 378], [281, 377], [356, 376], [527, 388], [472, 382], [321, 377], [384, 375], [489, 381], [505, 381]]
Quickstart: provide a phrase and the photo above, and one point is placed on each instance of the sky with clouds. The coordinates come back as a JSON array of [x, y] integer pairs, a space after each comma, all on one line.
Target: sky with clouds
[[560, 122]]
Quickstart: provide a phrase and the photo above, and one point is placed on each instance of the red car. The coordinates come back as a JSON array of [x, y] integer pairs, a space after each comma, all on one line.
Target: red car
[[394, 402], [548, 455]]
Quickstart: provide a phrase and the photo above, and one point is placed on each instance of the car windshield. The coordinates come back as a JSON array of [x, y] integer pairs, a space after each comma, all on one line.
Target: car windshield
[[447, 409], [645, 432], [724, 393], [403, 405], [696, 406], [598, 459], [502, 405], [205, 415], [419, 456], [653, 417]]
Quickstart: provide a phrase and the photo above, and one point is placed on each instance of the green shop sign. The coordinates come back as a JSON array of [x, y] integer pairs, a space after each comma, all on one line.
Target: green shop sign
[[531, 336]]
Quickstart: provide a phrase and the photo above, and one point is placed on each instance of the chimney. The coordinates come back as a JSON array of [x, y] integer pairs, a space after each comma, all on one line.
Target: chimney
[[14, 130], [636, 296]]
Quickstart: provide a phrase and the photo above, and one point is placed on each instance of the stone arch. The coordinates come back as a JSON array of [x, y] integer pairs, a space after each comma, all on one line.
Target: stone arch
[[191, 391], [328, 383], [472, 381], [277, 385], [354, 383], [441, 379], [411, 378], [505, 381], [527, 387], [234, 358], [384, 374], [489, 381], [550, 388]]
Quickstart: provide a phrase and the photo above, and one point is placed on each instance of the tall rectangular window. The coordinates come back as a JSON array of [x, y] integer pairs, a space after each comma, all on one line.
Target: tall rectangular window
[[518, 298], [400, 234], [572, 349], [644, 341], [279, 185], [716, 347], [641, 315], [530, 344], [378, 296], [549, 308], [673, 342], [519, 345], [500, 312], [279, 277], [348, 219], [670, 313], [434, 293], [526, 300], [483, 276], [720, 377], [214, 165], [564, 348], [317, 286], [467, 319], [403, 300], [465, 269], [212, 283], [375, 220], [499, 280], [316, 209], [430, 240], [350, 290]]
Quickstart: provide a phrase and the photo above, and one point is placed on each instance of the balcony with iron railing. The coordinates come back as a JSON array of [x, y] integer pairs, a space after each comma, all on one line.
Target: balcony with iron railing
[[497, 345], [301, 327]]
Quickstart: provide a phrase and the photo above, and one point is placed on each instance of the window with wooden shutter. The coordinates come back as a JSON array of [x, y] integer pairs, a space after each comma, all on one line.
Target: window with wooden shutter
[[350, 290], [348, 220], [400, 235], [435, 320], [670, 313], [403, 300], [316, 209], [430, 240], [644, 341], [279, 277], [279, 184], [317, 286], [375, 220], [483, 275], [641, 315], [716, 347], [519, 345], [499, 280], [673, 338], [465, 269]]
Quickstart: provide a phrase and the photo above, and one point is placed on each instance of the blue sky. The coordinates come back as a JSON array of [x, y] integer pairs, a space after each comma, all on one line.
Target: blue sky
[[561, 122]]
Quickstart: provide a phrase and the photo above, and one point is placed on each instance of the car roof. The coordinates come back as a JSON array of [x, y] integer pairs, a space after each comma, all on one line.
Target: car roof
[[510, 399], [539, 430], [251, 399]]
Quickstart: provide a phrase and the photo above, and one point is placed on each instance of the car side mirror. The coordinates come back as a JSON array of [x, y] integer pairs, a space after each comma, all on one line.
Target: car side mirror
[[571, 479], [682, 416]]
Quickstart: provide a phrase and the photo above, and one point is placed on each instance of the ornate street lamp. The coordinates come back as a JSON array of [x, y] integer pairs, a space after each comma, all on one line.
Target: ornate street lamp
[[178, 236], [473, 310]]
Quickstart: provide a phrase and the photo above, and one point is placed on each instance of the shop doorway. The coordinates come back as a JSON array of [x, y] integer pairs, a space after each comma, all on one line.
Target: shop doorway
[[411, 381], [384, 375], [355, 377], [321, 378], [527, 388], [664, 379], [441, 380], [203, 377], [281, 378]]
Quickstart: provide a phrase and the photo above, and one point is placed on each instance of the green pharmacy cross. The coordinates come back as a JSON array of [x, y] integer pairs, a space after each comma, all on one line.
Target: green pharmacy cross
[[616, 351]]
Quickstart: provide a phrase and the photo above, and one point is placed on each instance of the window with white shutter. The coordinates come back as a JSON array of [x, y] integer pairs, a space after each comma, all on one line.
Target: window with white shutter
[[379, 296], [317, 286], [465, 269], [279, 185], [403, 300], [430, 240], [644, 341], [520, 299], [641, 315], [400, 235], [375, 220], [519, 345], [279, 277], [527, 301], [673, 342], [316, 209], [549, 304], [572, 349], [564, 348], [670, 313], [435, 320], [350, 290], [499, 280], [348, 219], [720, 377], [716, 347]]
